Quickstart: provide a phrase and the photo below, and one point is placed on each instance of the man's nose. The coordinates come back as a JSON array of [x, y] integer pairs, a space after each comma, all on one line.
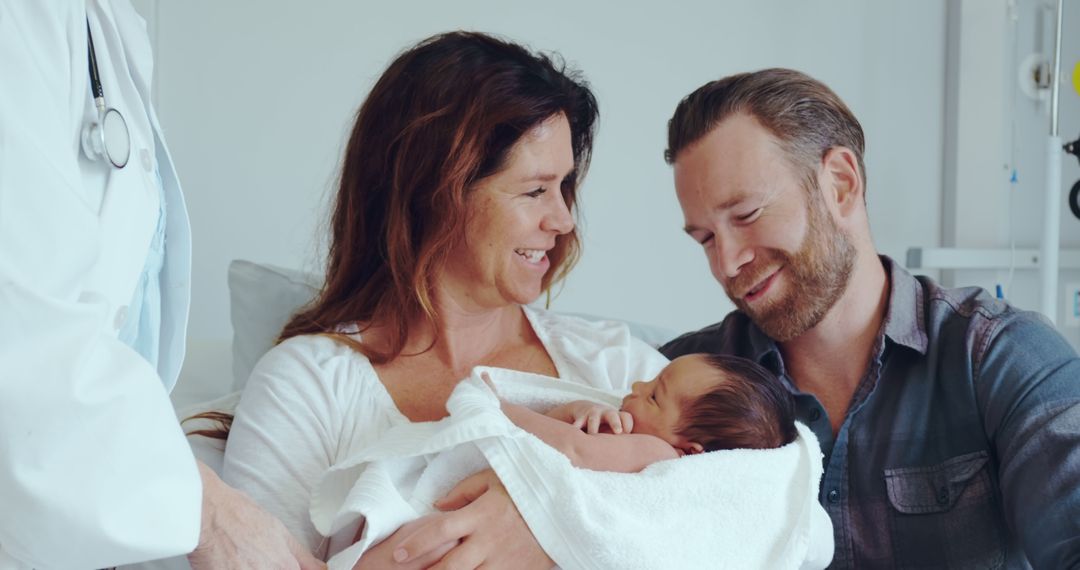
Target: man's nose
[[731, 254]]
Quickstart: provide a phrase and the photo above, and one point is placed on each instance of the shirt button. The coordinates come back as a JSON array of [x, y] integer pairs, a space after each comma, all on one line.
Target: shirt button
[[834, 496], [943, 496], [815, 415], [121, 317], [147, 163]]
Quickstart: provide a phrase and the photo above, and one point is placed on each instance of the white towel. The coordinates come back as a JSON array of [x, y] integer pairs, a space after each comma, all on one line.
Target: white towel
[[725, 509]]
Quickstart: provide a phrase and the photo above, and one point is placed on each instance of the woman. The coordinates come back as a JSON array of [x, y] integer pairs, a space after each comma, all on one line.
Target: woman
[[455, 210]]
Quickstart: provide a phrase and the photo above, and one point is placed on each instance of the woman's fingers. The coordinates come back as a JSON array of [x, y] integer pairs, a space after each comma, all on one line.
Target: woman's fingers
[[497, 537], [304, 557], [467, 491], [467, 556], [433, 534], [627, 421]]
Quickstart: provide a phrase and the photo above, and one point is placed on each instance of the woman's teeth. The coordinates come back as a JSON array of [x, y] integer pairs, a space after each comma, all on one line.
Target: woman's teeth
[[531, 255]]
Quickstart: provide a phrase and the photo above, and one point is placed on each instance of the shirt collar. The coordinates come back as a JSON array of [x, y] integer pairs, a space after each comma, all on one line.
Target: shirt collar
[[905, 322], [765, 350]]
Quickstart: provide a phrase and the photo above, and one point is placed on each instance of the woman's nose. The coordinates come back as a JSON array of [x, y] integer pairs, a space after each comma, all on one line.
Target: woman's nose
[[558, 219]]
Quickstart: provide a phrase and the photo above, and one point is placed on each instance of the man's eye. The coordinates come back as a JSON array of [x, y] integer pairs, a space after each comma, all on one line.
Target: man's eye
[[704, 240], [749, 217], [536, 193]]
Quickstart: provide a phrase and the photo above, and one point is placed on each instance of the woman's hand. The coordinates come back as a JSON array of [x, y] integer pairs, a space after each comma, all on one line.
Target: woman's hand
[[591, 417], [236, 533], [381, 556], [483, 518]]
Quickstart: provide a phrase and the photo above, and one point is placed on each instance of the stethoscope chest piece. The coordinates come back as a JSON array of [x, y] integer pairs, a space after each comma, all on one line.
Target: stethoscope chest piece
[[108, 137]]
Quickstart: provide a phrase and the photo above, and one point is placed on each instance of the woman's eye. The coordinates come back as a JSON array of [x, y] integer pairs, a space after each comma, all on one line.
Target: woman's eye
[[749, 217], [705, 240], [536, 193]]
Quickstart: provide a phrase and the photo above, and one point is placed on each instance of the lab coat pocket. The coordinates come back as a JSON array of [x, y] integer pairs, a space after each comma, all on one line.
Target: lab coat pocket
[[950, 510]]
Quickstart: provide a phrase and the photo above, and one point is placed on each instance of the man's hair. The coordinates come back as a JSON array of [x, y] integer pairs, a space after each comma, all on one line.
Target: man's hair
[[749, 408], [801, 112]]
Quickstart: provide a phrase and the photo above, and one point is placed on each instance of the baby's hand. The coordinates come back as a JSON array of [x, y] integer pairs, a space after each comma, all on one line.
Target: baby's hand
[[589, 416]]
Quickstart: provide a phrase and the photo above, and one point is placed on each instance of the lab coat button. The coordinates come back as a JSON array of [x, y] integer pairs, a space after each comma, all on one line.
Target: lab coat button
[[121, 317], [147, 162]]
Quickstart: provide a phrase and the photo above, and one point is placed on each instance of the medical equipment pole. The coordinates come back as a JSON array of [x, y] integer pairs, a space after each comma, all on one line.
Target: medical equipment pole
[[1051, 238]]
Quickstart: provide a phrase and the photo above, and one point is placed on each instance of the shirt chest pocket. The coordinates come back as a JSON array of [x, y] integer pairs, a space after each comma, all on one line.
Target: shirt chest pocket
[[946, 513]]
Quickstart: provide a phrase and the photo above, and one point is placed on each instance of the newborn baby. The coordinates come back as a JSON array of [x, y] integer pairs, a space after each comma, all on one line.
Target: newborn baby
[[698, 402]]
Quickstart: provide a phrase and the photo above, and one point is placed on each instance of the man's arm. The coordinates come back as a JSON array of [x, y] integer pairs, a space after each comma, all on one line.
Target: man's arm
[[627, 453], [1028, 384]]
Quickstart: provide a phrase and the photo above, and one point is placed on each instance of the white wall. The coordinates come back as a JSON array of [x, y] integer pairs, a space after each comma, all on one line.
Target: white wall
[[257, 99]]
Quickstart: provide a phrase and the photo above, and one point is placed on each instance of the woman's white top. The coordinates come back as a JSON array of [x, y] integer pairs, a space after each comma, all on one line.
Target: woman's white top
[[312, 401], [94, 470]]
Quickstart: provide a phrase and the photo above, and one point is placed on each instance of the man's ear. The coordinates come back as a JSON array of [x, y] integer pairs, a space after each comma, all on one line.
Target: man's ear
[[691, 448], [843, 188]]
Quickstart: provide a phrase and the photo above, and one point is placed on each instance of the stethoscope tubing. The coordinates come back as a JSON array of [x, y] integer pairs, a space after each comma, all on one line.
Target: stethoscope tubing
[[95, 77], [96, 134]]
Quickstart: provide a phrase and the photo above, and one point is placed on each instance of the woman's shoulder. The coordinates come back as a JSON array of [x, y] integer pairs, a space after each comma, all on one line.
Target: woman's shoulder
[[595, 349], [319, 349], [577, 327], [318, 380], [314, 360]]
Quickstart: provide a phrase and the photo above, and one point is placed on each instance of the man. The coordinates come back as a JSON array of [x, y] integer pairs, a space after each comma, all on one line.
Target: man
[[949, 421], [94, 293]]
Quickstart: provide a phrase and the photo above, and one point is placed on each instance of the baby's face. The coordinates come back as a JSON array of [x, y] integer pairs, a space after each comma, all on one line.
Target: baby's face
[[657, 405]]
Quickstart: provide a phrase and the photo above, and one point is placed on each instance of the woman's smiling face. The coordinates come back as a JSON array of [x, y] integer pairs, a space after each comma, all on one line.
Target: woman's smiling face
[[515, 217]]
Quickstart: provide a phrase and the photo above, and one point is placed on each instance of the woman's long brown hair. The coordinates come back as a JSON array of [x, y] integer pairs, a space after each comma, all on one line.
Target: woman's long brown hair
[[443, 116]]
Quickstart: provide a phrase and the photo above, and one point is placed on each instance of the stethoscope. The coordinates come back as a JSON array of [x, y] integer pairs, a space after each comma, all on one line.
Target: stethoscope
[[107, 138]]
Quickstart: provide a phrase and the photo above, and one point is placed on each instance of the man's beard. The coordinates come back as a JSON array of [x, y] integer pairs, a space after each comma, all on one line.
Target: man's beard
[[817, 276]]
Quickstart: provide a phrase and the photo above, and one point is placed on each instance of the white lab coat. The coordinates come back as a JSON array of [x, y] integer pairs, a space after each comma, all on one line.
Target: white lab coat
[[94, 470]]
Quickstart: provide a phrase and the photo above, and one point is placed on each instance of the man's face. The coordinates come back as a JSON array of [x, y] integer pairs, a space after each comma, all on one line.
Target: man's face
[[771, 241]]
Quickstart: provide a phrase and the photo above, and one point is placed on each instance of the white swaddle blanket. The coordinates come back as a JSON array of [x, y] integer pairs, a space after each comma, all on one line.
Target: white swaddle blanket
[[726, 509]]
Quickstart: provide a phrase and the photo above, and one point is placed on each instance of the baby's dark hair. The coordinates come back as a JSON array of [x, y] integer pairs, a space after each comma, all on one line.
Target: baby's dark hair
[[748, 409]]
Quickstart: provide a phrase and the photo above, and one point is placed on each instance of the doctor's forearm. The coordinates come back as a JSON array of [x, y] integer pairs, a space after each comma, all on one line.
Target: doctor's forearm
[[235, 532]]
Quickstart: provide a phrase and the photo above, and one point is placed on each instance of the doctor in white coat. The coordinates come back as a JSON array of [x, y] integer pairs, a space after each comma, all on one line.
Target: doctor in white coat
[[94, 292]]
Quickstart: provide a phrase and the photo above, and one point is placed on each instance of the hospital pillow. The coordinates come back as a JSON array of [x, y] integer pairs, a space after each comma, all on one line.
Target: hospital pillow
[[262, 297]]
